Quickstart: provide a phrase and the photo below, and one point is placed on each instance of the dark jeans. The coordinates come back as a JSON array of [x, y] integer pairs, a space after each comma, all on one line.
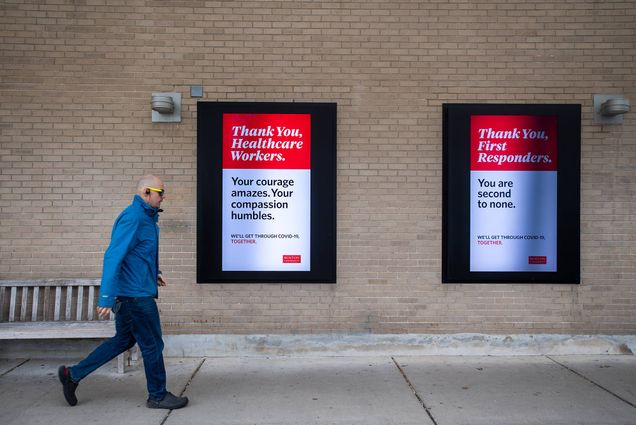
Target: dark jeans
[[136, 321]]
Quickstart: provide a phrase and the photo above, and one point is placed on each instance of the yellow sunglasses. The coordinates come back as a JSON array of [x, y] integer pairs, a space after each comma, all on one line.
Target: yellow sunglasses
[[161, 192]]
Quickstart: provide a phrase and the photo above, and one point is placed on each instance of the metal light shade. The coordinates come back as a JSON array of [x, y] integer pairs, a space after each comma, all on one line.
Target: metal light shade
[[165, 107], [162, 104], [610, 108], [615, 106]]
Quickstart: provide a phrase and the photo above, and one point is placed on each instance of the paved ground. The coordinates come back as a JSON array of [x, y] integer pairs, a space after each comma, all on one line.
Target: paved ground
[[442, 390]]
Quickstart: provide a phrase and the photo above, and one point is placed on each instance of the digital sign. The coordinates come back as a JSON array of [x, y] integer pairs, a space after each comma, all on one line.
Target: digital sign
[[266, 192], [511, 193]]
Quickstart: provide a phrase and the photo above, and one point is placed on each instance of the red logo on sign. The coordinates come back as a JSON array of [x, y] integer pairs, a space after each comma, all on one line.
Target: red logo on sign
[[537, 259], [291, 258]]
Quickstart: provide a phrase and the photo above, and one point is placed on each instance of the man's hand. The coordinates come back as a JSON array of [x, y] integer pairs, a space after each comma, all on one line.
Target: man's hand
[[161, 281], [104, 312]]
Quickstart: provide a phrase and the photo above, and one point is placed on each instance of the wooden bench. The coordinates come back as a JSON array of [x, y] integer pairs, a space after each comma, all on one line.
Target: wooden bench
[[52, 309]]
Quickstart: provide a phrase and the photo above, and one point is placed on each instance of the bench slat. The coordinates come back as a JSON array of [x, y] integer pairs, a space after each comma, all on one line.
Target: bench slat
[[23, 305], [50, 282], [14, 291], [48, 330], [34, 308], [1, 302], [80, 301], [58, 299], [91, 297], [69, 300]]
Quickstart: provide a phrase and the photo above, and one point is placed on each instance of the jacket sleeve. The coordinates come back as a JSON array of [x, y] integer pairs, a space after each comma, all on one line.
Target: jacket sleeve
[[122, 240]]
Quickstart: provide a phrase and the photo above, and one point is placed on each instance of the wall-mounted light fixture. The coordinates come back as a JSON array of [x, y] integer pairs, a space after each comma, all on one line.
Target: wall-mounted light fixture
[[166, 107], [609, 109]]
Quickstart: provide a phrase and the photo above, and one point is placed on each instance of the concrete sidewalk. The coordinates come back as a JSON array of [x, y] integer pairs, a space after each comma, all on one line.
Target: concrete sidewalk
[[442, 390]]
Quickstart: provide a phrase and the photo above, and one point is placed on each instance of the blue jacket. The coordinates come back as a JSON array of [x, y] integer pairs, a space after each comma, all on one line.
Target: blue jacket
[[131, 262]]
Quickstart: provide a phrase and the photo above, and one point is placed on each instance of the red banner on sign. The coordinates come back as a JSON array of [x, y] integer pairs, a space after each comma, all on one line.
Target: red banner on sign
[[537, 259], [267, 141], [513, 143], [291, 258]]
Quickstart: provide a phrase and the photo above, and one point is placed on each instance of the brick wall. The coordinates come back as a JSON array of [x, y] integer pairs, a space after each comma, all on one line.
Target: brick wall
[[76, 78]]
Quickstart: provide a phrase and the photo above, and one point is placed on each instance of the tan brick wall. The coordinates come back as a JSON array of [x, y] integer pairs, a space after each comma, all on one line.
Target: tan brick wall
[[76, 78]]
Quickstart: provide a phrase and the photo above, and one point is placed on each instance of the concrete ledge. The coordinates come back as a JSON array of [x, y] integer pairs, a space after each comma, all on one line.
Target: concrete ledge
[[405, 344], [320, 345]]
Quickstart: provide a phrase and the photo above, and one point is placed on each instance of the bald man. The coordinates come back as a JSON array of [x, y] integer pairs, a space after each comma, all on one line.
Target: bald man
[[129, 287]]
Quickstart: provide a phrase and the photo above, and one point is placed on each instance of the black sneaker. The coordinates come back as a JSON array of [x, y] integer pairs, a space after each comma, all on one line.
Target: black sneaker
[[170, 401], [64, 373]]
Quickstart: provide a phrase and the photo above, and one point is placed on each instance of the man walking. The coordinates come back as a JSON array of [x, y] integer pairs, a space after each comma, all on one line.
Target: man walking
[[129, 288]]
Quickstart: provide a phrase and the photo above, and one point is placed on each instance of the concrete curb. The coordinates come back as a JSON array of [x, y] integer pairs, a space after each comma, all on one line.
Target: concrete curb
[[404, 344]]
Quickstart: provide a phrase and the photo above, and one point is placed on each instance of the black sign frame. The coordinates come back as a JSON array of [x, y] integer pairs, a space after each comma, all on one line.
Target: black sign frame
[[209, 192], [456, 193]]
